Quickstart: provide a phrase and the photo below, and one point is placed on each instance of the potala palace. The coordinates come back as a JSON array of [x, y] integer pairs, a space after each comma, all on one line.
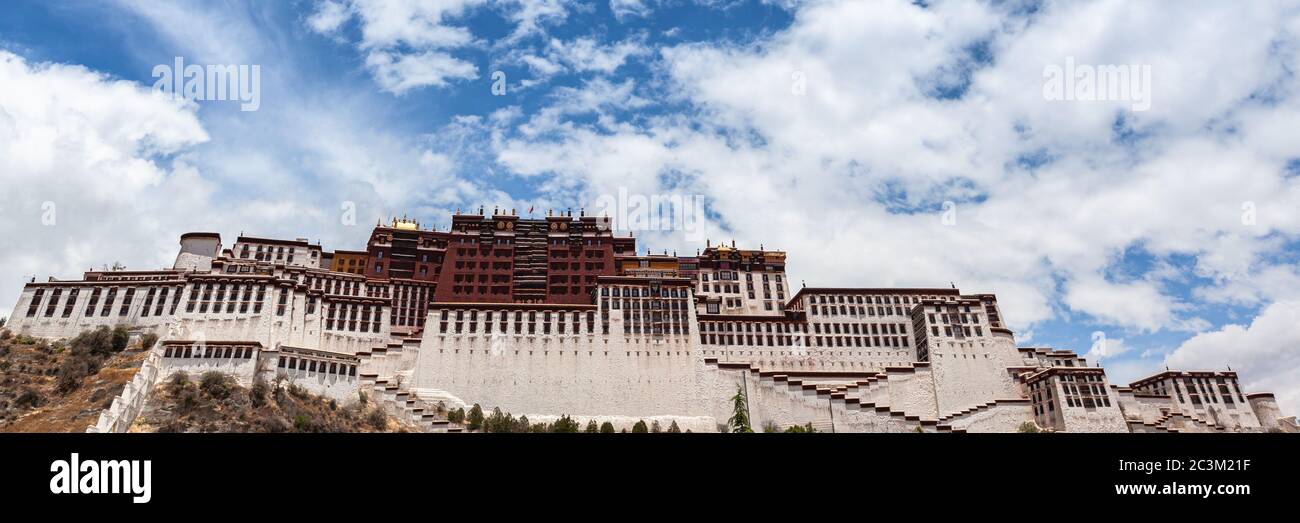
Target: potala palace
[[560, 316]]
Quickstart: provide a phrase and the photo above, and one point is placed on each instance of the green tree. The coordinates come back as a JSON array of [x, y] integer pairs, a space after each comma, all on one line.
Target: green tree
[[497, 422], [565, 425], [639, 428], [607, 428], [739, 421], [475, 417], [457, 416], [592, 428], [1028, 427], [674, 429]]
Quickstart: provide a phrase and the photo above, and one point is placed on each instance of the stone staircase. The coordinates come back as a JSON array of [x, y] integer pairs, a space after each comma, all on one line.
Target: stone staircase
[[1175, 422], [384, 376], [849, 408], [969, 412], [404, 406]]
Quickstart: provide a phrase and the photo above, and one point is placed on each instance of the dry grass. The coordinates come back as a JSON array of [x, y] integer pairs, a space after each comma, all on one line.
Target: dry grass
[[215, 402], [31, 399]]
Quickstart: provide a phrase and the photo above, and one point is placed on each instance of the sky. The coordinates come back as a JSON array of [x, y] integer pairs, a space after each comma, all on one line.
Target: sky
[[880, 143]]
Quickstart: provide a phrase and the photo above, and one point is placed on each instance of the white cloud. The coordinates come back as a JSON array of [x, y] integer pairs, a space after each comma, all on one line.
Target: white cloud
[[623, 9], [1104, 348], [1266, 353], [541, 66], [1139, 305], [329, 16], [583, 55], [399, 73], [407, 44], [587, 54], [411, 44], [530, 15]]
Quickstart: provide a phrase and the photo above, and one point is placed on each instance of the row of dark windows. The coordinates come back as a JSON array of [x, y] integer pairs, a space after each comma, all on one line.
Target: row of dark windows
[[501, 322], [205, 297], [354, 317], [314, 366], [190, 351], [853, 310]]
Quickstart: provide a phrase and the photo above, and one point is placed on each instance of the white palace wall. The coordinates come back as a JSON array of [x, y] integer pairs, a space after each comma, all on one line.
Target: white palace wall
[[974, 372], [587, 376]]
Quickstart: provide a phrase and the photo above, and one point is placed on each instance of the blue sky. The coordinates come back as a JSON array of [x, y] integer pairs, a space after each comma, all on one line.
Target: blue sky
[[836, 130]]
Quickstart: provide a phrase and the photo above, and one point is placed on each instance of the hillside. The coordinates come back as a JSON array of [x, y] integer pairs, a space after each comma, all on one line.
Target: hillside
[[215, 402], [62, 386]]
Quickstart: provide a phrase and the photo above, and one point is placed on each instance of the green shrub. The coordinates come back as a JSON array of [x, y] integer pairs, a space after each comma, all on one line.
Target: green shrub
[[302, 423], [377, 419], [592, 428], [257, 395], [28, 399], [187, 398], [216, 384], [121, 338], [74, 368], [298, 392], [639, 428]]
